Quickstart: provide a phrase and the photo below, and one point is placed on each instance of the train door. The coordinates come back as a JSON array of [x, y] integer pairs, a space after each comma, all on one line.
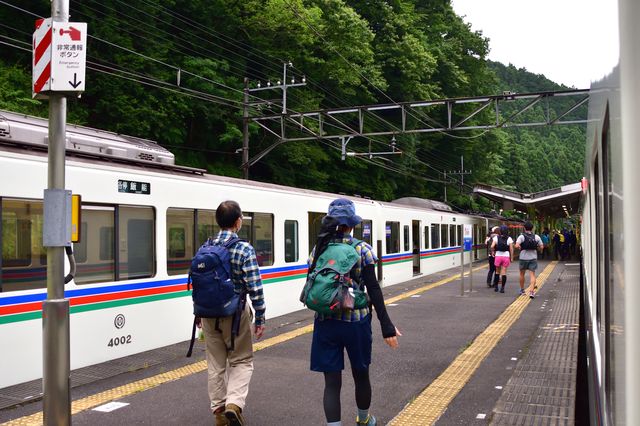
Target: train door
[[415, 238]]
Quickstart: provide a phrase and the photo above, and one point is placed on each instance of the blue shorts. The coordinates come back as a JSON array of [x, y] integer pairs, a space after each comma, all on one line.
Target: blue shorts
[[332, 337]]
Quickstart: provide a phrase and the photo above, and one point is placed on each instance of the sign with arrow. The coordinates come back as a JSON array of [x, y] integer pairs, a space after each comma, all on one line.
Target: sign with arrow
[[68, 56]]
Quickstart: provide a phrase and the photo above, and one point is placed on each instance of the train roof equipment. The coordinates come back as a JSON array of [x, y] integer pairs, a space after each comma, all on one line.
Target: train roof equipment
[[424, 203], [25, 130]]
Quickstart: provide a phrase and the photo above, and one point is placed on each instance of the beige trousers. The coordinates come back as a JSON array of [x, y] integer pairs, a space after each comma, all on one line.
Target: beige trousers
[[229, 371]]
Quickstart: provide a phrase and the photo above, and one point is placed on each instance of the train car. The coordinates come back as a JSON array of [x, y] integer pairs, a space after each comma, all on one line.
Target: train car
[[610, 208], [143, 217]]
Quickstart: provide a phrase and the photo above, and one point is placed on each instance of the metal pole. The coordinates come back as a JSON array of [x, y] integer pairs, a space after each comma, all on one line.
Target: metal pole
[[284, 88], [445, 187], [471, 267], [462, 270], [461, 173], [55, 310], [245, 131]]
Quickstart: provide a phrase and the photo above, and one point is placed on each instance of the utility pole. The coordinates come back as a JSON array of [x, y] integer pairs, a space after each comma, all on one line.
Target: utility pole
[[245, 130], [460, 172], [445, 186], [282, 85], [55, 310]]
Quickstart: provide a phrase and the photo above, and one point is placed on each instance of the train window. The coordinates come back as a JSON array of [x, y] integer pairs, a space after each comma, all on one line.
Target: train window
[[363, 231], [426, 237], [257, 228], [80, 248], [435, 236], [315, 222], [444, 235], [24, 263], [392, 232], [136, 244], [459, 235], [291, 241], [406, 237], [452, 235], [207, 226], [106, 242], [180, 247], [94, 253]]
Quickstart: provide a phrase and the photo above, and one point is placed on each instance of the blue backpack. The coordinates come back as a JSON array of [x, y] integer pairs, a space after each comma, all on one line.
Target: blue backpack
[[214, 294]]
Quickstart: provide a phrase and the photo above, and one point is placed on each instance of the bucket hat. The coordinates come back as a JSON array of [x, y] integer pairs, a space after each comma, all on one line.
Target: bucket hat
[[344, 211]]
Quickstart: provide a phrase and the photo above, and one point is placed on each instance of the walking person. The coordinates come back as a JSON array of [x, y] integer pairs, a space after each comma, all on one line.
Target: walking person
[[545, 242], [502, 246], [490, 255], [230, 362], [348, 329], [556, 244], [529, 244]]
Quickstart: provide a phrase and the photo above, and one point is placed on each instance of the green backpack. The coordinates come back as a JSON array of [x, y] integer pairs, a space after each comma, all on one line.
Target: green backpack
[[329, 288]]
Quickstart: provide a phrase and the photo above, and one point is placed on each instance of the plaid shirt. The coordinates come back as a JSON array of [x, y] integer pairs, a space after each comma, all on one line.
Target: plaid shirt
[[245, 272], [367, 257]]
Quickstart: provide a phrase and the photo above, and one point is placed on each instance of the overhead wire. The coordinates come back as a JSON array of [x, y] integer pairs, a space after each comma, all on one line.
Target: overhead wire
[[161, 84]]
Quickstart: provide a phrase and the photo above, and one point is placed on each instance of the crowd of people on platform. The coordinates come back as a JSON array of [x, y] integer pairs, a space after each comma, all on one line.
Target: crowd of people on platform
[[500, 249]]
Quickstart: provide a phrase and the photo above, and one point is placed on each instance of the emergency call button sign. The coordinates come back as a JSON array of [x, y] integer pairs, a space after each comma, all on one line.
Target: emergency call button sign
[[68, 56]]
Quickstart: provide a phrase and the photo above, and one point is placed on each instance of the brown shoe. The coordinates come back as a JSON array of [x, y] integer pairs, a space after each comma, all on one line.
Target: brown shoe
[[221, 419], [234, 415]]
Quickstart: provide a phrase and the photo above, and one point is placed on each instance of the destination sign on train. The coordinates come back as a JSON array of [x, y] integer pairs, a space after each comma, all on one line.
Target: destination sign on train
[[132, 187]]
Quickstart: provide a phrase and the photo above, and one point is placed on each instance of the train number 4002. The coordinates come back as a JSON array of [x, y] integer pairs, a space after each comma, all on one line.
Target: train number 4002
[[117, 341]]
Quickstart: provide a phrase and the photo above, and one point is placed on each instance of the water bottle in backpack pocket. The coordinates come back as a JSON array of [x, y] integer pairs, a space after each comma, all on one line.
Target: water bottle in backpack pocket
[[329, 287]]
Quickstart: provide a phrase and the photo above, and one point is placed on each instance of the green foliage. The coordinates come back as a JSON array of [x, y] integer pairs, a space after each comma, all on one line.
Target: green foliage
[[353, 52]]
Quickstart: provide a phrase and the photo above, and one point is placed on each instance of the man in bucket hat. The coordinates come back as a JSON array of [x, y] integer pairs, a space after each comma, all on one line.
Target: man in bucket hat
[[348, 329]]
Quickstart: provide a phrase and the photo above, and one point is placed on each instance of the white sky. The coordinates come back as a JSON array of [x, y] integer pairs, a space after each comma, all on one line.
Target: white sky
[[572, 42]]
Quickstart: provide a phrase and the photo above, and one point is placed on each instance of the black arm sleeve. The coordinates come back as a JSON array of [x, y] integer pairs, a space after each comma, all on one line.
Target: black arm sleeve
[[375, 293]]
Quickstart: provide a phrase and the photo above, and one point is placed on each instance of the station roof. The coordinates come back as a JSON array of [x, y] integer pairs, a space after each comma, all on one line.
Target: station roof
[[552, 202]]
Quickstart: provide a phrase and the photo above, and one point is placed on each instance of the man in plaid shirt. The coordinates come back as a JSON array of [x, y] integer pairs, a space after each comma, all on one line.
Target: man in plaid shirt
[[230, 371]]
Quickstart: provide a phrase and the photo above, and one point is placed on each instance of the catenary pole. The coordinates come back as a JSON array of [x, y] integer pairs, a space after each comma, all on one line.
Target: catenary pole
[[55, 310], [245, 130]]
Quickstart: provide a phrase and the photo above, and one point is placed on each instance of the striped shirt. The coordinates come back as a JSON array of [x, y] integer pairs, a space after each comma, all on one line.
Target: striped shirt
[[367, 257], [245, 272]]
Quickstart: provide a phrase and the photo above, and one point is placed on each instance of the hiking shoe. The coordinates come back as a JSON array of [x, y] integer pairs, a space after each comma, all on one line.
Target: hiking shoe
[[233, 413], [369, 421], [532, 295], [221, 419], [496, 289], [502, 289], [522, 291]]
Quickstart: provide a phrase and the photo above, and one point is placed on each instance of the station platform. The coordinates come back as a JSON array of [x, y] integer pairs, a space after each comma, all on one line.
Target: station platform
[[481, 358]]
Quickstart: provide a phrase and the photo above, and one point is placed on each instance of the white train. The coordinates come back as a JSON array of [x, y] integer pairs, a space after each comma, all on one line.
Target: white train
[[610, 209], [142, 219]]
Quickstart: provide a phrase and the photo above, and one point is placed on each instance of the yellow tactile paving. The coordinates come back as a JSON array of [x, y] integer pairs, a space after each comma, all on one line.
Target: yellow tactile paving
[[432, 402], [151, 382]]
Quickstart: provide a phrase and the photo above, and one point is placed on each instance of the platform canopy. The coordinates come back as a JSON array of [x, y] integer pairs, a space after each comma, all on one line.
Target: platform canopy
[[556, 202]]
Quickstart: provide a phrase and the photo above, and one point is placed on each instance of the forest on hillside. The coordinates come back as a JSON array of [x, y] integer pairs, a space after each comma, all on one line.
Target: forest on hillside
[[173, 71]]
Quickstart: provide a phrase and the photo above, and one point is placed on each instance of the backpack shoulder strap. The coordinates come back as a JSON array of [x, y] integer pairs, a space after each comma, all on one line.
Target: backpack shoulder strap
[[231, 242], [354, 242]]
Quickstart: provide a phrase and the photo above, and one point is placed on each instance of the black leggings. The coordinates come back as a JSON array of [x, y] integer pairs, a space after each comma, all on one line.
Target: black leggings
[[332, 386]]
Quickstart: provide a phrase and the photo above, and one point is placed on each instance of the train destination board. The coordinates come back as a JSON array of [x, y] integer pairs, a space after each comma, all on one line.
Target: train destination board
[[132, 187]]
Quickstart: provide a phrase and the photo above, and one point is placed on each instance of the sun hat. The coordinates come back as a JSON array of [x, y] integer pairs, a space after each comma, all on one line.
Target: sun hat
[[344, 211]]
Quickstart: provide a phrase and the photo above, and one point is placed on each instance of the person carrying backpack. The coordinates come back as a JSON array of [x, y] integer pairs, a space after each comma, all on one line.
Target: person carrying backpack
[[230, 354], [528, 243], [545, 242], [502, 246], [490, 255], [346, 323]]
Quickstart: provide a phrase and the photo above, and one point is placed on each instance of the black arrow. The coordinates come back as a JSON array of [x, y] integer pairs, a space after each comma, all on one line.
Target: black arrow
[[75, 83]]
